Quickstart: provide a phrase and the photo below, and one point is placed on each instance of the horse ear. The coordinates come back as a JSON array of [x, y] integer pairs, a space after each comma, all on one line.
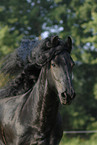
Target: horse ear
[[54, 40], [68, 43]]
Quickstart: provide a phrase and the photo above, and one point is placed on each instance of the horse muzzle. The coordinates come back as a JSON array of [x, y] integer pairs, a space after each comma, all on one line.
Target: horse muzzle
[[66, 98]]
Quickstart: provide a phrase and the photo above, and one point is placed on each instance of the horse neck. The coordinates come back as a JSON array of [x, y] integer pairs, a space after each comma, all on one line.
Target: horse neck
[[47, 100]]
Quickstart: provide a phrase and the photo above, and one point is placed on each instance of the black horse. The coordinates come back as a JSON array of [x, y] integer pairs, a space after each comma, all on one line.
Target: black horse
[[29, 103]]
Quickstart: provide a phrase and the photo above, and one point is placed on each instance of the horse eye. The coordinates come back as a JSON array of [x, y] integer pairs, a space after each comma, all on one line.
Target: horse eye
[[53, 64]]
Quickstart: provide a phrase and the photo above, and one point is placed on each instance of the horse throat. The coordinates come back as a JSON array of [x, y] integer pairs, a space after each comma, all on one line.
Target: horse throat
[[48, 104]]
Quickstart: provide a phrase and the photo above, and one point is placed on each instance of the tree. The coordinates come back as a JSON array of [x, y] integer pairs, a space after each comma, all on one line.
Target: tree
[[21, 19], [78, 19]]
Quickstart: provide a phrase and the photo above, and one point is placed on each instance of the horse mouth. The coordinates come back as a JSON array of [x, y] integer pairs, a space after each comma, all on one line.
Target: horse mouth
[[66, 99]]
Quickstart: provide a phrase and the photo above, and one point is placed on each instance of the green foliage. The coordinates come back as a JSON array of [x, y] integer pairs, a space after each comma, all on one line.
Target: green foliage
[[8, 41], [79, 141], [19, 19], [78, 19]]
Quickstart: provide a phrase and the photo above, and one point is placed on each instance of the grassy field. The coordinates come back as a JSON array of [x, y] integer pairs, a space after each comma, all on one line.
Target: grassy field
[[79, 141]]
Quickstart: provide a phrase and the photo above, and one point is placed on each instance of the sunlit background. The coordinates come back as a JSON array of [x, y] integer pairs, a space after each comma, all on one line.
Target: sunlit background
[[37, 19]]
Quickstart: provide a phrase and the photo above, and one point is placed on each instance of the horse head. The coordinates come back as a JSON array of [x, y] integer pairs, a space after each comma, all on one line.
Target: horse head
[[60, 73]]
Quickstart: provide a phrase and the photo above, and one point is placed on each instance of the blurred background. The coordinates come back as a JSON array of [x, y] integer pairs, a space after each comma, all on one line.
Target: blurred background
[[37, 19]]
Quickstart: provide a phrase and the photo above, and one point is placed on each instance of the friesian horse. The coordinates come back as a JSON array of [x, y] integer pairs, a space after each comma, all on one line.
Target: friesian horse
[[29, 103]]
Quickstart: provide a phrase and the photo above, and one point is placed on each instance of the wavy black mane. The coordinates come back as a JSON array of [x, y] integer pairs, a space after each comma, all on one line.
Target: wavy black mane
[[26, 62]]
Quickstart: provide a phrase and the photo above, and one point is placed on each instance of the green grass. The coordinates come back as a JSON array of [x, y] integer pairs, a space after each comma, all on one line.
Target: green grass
[[79, 141]]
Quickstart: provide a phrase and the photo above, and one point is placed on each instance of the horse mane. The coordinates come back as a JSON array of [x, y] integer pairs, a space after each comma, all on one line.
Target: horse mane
[[25, 64]]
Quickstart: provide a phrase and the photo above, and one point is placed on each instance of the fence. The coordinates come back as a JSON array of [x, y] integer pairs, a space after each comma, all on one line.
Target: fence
[[78, 132]]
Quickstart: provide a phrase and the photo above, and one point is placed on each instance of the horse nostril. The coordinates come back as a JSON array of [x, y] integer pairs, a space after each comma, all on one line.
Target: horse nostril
[[66, 98], [62, 94]]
